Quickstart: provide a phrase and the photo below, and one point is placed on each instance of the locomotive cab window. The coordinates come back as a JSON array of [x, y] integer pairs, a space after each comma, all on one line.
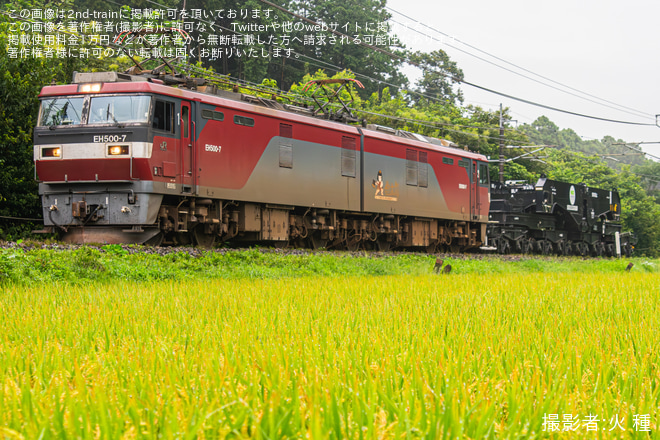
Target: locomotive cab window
[[163, 116], [185, 120], [119, 109], [483, 174], [61, 111], [95, 110]]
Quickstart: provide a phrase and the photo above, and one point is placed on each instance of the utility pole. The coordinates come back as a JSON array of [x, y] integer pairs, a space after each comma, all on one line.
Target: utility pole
[[501, 146]]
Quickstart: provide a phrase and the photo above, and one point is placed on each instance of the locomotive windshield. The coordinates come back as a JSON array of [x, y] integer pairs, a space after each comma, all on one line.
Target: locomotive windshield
[[116, 109], [119, 109], [61, 111]]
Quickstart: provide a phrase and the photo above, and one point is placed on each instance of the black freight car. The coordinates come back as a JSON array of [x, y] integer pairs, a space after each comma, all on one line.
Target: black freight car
[[554, 217]]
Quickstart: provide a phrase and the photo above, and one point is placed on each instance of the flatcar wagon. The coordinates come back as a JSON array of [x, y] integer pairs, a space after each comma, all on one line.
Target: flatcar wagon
[[132, 159]]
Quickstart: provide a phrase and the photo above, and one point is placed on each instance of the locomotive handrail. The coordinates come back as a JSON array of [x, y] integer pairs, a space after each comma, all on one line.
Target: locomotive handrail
[[68, 182], [130, 169]]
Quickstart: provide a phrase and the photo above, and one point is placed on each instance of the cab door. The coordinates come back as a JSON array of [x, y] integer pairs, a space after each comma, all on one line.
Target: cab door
[[187, 149], [482, 192], [474, 191]]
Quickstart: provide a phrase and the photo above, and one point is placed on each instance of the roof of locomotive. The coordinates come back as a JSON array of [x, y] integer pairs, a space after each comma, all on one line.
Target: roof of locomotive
[[227, 100]]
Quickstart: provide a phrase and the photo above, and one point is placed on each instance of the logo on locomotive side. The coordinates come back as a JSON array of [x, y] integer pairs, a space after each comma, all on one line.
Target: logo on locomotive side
[[571, 198], [384, 190], [571, 195]]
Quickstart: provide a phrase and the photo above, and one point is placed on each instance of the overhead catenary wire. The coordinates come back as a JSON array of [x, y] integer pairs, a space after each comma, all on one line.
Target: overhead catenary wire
[[458, 80], [324, 64], [337, 68], [635, 113], [375, 48], [391, 54], [404, 59], [425, 123], [613, 105]]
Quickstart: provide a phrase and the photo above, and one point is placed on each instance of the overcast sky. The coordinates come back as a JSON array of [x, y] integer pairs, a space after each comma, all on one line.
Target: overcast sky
[[608, 49]]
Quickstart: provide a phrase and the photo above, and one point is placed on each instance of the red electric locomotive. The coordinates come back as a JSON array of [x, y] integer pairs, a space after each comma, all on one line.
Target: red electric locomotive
[[130, 159]]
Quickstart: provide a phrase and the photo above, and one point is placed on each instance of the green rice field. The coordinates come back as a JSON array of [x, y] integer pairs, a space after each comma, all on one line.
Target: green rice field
[[535, 354]]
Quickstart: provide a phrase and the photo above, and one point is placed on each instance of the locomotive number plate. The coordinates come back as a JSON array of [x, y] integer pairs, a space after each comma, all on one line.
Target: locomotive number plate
[[212, 148], [110, 138]]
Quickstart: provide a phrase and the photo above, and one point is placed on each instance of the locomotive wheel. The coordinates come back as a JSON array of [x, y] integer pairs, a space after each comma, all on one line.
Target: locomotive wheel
[[531, 246], [382, 244], [317, 242], [524, 246], [611, 250], [596, 251], [579, 249], [563, 247], [352, 245], [279, 244], [546, 247], [446, 237], [181, 238], [503, 246], [202, 239], [518, 246], [549, 247], [540, 246], [156, 240]]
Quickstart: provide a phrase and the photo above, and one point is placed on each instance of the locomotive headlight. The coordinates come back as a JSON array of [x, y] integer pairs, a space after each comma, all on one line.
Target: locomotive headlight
[[117, 150], [89, 88], [51, 152]]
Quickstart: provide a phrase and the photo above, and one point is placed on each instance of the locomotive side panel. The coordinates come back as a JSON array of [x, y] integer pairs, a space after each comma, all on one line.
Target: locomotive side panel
[[414, 180], [268, 159]]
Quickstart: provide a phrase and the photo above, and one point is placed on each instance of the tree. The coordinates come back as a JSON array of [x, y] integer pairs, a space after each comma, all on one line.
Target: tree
[[649, 175], [364, 20], [545, 132], [21, 79], [440, 75]]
